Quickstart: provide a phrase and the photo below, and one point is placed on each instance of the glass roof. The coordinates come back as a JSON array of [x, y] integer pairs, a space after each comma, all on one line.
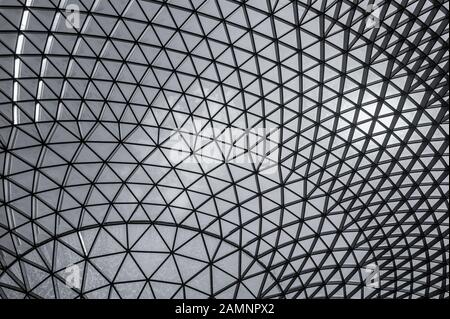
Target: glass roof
[[90, 103]]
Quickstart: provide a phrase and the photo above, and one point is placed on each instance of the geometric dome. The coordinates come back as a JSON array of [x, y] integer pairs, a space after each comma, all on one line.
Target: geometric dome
[[353, 190]]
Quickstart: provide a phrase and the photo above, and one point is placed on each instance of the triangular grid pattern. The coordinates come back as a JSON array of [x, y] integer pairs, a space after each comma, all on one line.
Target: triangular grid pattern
[[86, 113]]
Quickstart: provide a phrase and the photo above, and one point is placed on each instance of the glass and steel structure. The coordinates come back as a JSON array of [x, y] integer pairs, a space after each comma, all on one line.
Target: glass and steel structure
[[93, 204]]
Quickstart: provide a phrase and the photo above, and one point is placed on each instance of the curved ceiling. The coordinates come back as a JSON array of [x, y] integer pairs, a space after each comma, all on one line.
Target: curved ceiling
[[360, 160]]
